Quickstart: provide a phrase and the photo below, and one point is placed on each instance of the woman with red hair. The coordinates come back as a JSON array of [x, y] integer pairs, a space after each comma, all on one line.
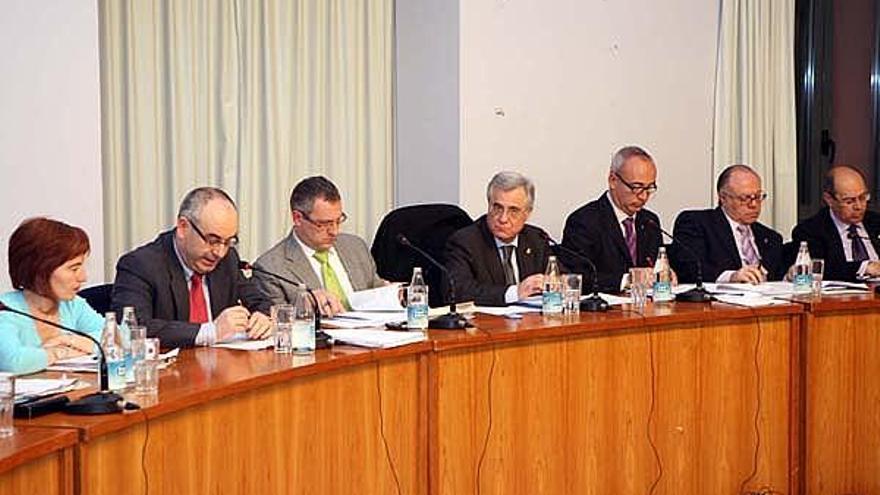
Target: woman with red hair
[[47, 268]]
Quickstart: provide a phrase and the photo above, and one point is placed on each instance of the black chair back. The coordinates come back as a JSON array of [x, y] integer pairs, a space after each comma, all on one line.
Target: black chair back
[[99, 298], [427, 226]]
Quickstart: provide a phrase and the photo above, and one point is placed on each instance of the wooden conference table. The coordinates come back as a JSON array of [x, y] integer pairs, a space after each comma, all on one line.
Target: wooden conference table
[[684, 398]]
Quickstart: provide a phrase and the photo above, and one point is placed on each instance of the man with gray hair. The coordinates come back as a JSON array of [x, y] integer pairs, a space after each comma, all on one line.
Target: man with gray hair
[[728, 241], [499, 259], [185, 286], [616, 232], [316, 254]]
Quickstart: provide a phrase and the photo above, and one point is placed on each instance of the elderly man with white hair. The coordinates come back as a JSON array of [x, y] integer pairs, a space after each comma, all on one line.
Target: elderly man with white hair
[[499, 259]]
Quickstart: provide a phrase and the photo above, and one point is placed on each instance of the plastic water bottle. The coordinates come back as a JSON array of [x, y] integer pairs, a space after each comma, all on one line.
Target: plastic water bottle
[[803, 271], [662, 278], [417, 302], [111, 342], [302, 329], [551, 297], [129, 320]]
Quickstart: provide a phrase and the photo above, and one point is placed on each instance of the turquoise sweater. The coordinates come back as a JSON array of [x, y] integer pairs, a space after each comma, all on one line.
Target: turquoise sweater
[[21, 350]]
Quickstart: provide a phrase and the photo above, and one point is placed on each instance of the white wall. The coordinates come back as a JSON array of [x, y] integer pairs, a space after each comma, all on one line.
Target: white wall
[[426, 103], [50, 151], [577, 79]]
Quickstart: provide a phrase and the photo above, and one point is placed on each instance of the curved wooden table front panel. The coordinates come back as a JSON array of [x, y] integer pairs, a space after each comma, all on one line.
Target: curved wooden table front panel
[[565, 407], [842, 383], [257, 422], [38, 461]]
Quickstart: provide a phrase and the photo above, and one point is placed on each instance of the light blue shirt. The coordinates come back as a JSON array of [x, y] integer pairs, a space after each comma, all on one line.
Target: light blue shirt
[[21, 349]]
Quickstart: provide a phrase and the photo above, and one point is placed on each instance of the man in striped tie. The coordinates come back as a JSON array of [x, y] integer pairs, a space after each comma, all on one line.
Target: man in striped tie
[[730, 244], [316, 254]]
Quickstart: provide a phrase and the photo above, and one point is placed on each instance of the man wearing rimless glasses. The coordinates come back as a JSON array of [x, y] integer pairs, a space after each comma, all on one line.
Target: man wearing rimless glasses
[[186, 286], [730, 242], [316, 253], [616, 232], [846, 234]]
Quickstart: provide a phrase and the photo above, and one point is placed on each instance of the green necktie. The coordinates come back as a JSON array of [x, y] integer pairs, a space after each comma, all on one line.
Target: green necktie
[[331, 283]]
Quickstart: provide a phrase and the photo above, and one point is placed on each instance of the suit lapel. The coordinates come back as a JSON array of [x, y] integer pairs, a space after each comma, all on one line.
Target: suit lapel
[[526, 257], [614, 229], [300, 268], [352, 269], [873, 229], [491, 259], [722, 227], [836, 243], [177, 283]]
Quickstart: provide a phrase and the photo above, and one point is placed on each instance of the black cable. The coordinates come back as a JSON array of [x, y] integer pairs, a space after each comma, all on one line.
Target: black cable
[[489, 428], [757, 417], [651, 413], [144, 452], [382, 432]]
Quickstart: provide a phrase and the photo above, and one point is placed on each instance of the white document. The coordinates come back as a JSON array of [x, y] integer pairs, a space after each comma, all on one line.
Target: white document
[[364, 319], [381, 339], [386, 298], [247, 345], [751, 300], [506, 310], [39, 387], [79, 364]]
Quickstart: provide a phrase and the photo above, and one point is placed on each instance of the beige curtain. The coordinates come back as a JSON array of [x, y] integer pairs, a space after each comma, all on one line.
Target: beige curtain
[[249, 96], [755, 120]]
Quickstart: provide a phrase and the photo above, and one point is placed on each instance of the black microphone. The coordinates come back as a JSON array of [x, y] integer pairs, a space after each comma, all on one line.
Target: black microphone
[[698, 293], [322, 340], [102, 402], [451, 320], [594, 303]]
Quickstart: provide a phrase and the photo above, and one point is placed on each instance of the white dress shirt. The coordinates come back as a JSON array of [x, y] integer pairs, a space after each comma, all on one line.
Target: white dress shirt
[[621, 216], [207, 331]]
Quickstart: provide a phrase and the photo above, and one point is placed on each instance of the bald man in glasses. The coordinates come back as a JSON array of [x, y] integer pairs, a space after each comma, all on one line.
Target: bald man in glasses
[[616, 232], [729, 241], [845, 233]]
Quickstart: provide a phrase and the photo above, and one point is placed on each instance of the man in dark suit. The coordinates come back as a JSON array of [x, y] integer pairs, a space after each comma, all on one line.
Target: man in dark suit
[[844, 233], [499, 259], [186, 286], [616, 232], [728, 240]]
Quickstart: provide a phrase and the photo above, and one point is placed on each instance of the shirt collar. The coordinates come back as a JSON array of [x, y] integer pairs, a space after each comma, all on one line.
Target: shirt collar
[[842, 227], [734, 225], [499, 244], [309, 252], [620, 214], [186, 270]]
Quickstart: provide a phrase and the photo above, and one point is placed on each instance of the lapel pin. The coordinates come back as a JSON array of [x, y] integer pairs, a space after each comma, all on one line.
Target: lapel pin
[[528, 250]]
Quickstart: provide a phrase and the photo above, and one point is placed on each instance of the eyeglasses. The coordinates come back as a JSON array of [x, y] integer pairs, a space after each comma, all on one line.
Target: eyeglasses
[[637, 188], [745, 199], [325, 225], [215, 242], [513, 212], [852, 200]]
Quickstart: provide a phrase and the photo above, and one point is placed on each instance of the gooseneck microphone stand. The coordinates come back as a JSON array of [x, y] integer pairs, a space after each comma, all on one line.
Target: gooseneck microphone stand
[[102, 402]]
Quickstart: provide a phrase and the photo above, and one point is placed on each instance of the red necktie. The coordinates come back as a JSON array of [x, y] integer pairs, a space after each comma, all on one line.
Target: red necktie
[[198, 310]]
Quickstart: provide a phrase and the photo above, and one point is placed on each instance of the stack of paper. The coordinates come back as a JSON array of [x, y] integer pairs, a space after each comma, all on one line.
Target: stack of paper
[[381, 339], [28, 388], [385, 298], [79, 364]]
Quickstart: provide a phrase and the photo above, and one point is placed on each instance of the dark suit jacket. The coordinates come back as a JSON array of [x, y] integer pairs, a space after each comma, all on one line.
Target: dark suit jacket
[[593, 231], [707, 233], [824, 242], [151, 279], [472, 259]]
